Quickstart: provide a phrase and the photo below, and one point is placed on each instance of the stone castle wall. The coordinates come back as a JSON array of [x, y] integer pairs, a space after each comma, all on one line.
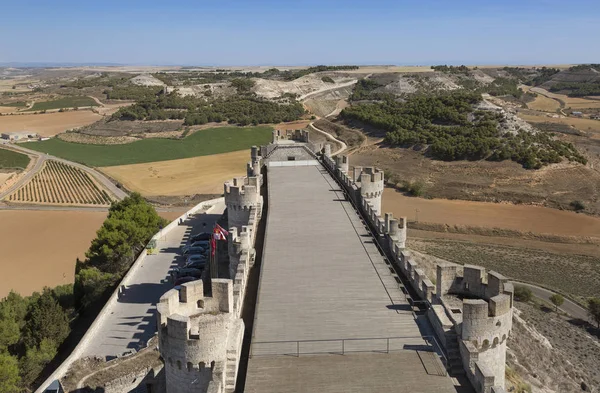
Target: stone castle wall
[[474, 330]]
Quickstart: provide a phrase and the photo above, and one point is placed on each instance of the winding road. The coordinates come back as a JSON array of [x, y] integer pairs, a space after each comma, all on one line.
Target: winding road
[[569, 307]]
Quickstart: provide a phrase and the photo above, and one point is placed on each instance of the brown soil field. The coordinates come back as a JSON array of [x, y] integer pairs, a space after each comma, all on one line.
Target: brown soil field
[[48, 124], [61, 184], [188, 176], [492, 215], [575, 103], [587, 125], [39, 248], [8, 109], [292, 125], [554, 186]]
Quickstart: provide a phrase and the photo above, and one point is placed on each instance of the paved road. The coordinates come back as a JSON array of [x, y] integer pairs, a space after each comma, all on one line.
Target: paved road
[[120, 194], [569, 307], [131, 322]]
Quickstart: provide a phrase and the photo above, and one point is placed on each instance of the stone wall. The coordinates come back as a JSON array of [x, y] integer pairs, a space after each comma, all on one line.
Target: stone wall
[[473, 332]]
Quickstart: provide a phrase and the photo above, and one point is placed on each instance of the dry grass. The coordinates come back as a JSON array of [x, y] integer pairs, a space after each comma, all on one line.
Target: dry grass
[[198, 175], [48, 124], [521, 263], [544, 104], [524, 218]]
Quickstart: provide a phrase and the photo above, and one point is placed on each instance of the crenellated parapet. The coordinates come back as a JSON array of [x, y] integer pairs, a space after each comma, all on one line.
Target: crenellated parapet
[[473, 332], [290, 135], [253, 167], [200, 337]]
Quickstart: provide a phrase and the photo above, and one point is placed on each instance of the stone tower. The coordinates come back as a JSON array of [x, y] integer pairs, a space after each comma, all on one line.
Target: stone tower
[[327, 150], [341, 162], [253, 166], [199, 338], [242, 194], [396, 229], [370, 181]]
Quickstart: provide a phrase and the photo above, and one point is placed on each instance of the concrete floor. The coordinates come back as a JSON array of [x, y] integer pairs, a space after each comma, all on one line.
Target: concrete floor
[[323, 280], [131, 322]]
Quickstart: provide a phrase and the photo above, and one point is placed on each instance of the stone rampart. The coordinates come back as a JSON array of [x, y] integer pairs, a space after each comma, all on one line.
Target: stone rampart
[[474, 331]]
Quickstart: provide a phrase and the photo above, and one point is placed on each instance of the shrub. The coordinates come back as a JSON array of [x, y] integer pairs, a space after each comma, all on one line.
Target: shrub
[[327, 79], [577, 205], [523, 294]]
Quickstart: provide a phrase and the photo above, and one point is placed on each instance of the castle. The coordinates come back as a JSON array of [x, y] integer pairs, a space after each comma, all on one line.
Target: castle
[[200, 328]]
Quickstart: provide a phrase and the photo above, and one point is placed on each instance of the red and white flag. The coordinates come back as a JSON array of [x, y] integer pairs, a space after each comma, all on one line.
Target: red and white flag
[[219, 233]]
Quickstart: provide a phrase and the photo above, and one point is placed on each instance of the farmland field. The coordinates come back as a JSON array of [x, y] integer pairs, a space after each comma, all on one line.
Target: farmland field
[[587, 125], [201, 143], [67, 102], [58, 183], [545, 104], [198, 175], [523, 218], [13, 160], [39, 248], [48, 124]]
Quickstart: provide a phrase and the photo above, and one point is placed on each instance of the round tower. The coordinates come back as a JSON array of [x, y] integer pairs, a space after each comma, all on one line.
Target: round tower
[[371, 187], [327, 150], [241, 194], [199, 337]]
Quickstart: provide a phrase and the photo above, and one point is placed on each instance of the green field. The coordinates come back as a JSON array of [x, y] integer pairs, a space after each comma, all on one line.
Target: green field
[[18, 104], [11, 159], [200, 143], [67, 102]]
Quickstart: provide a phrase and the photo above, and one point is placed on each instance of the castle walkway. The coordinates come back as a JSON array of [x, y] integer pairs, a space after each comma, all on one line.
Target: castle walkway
[[329, 317]]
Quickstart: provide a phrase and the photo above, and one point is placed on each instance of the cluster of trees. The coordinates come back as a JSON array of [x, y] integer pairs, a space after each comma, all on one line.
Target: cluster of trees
[[532, 76], [133, 92], [220, 75], [327, 79], [450, 129], [105, 79], [243, 110], [31, 330], [585, 67], [130, 225], [577, 89], [462, 69], [364, 89], [502, 87]]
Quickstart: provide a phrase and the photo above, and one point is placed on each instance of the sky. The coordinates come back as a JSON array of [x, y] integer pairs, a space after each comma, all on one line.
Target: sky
[[301, 32]]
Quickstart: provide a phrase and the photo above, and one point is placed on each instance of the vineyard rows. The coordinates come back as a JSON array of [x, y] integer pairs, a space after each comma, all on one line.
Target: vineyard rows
[[59, 183]]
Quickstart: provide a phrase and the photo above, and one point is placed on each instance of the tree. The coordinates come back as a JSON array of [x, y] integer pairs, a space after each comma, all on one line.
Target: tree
[[523, 294], [557, 299], [35, 360], [46, 319], [594, 310], [13, 309], [9, 374], [90, 285]]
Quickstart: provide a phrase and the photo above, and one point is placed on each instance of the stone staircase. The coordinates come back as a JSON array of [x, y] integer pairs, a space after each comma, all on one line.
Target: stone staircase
[[455, 365], [231, 371]]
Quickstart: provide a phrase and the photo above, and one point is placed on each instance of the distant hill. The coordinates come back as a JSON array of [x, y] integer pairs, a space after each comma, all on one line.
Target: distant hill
[[577, 81]]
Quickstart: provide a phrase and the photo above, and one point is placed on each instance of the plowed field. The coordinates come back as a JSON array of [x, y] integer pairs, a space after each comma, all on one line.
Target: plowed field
[[48, 124]]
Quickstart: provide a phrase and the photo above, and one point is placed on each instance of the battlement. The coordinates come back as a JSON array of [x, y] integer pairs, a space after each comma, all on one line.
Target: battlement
[[239, 187], [341, 162], [292, 135]]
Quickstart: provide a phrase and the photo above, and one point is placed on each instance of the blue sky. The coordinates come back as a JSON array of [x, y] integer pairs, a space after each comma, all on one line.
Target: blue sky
[[284, 32]]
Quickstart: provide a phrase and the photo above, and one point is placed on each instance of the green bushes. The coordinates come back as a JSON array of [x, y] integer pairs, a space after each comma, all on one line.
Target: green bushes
[[327, 79], [577, 205], [130, 224], [241, 110], [450, 129], [31, 330], [523, 294]]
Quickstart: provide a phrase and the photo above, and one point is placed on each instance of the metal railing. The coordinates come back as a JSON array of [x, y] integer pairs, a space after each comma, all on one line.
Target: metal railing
[[342, 346]]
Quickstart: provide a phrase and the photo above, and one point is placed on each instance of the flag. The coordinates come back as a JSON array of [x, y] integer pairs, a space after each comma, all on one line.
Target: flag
[[213, 246], [219, 233]]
